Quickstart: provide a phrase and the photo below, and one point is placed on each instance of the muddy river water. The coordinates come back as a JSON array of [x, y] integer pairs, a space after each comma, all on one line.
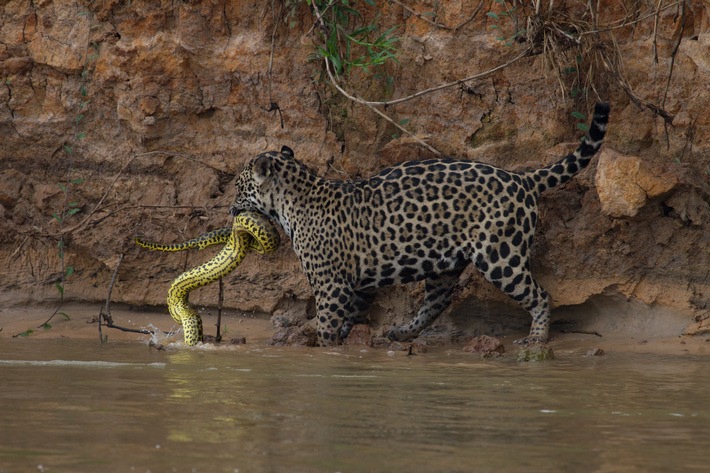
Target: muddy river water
[[78, 406]]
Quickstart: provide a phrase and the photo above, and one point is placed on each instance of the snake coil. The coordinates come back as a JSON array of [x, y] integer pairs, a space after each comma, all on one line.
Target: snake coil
[[250, 231]]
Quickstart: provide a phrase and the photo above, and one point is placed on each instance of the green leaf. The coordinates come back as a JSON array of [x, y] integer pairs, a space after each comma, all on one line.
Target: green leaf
[[337, 64], [62, 186], [26, 333], [71, 212], [68, 149], [46, 325], [69, 271], [80, 136], [60, 288], [583, 126], [579, 115], [493, 15], [56, 217], [65, 315]]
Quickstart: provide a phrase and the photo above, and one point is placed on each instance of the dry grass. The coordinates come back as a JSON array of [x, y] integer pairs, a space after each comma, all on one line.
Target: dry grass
[[582, 54]]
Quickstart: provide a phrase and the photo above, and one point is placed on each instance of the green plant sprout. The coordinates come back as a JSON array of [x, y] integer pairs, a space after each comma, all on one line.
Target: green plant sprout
[[347, 43]]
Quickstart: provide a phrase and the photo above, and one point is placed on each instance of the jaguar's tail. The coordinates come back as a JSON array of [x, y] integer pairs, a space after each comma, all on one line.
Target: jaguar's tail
[[563, 170]]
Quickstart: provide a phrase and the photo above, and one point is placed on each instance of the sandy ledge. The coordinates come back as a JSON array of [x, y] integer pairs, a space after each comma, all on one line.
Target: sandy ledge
[[257, 329]]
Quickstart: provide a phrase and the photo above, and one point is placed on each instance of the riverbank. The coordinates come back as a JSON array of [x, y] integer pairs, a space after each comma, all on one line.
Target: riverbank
[[258, 330]]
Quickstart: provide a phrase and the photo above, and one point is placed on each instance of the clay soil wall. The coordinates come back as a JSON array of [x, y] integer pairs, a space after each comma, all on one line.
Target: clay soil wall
[[124, 118]]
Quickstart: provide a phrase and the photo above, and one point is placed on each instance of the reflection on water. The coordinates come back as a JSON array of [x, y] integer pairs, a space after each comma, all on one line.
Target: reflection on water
[[77, 406]]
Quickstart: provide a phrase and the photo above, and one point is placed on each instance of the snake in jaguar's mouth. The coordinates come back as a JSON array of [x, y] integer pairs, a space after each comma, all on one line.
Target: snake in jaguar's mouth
[[251, 231]]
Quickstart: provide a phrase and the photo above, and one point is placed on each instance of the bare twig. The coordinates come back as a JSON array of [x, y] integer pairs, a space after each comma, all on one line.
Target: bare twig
[[105, 313], [670, 71], [623, 23], [98, 204], [584, 332], [133, 330], [614, 65], [220, 304], [273, 106], [655, 30], [430, 90], [18, 249]]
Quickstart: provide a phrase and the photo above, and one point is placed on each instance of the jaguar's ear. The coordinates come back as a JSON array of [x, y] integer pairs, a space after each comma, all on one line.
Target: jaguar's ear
[[286, 151], [262, 169]]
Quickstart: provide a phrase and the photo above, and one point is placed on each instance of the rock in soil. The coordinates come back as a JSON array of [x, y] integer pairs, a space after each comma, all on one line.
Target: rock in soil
[[359, 335], [380, 342], [304, 336], [538, 352], [488, 347], [414, 347]]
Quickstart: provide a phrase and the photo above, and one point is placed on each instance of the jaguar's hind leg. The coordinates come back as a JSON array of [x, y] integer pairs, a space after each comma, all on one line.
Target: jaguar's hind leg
[[517, 281], [438, 291], [536, 301]]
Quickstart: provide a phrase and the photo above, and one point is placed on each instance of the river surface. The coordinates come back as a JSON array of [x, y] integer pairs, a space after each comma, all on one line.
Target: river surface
[[79, 406]]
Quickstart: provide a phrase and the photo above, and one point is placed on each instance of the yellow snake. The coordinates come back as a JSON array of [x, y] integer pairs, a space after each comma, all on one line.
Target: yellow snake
[[250, 231]]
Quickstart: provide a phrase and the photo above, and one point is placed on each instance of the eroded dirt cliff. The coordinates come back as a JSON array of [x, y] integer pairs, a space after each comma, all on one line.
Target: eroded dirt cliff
[[121, 118]]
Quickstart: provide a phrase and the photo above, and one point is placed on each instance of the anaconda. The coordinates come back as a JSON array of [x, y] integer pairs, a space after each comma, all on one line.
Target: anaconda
[[249, 231]]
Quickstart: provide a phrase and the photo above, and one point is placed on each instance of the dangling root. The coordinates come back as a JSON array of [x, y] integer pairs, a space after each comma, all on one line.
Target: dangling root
[[250, 231]]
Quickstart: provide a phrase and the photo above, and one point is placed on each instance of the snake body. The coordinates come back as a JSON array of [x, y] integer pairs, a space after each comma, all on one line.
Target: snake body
[[221, 235], [250, 231]]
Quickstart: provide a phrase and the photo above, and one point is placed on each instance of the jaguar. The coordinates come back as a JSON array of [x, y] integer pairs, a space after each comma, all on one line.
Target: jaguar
[[418, 220]]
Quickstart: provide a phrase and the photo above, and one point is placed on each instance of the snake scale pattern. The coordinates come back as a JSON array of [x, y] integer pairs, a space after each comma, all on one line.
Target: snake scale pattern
[[250, 231]]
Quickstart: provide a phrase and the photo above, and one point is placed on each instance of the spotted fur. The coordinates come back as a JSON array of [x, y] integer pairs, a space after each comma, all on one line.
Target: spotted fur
[[416, 220]]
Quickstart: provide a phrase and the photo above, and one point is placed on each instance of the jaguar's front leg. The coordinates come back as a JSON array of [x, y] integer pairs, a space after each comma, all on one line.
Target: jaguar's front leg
[[335, 312], [357, 310]]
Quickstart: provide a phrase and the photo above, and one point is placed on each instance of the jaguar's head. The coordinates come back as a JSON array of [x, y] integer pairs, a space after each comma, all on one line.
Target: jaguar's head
[[257, 187]]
